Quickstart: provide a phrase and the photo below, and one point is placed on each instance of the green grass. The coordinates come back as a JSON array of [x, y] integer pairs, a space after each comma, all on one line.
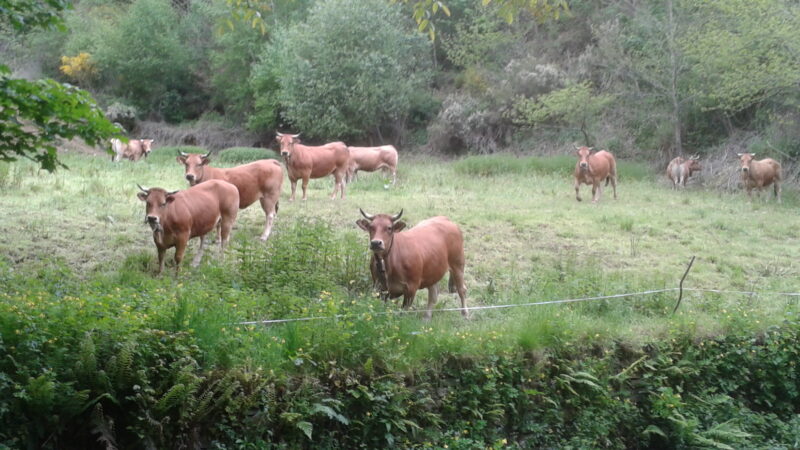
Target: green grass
[[527, 240], [77, 266]]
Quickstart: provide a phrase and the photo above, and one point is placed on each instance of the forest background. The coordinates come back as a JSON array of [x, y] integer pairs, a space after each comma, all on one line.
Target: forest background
[[649, 79]]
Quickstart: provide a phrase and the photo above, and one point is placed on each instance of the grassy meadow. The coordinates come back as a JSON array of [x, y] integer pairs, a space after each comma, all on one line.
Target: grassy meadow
[[77, 264]]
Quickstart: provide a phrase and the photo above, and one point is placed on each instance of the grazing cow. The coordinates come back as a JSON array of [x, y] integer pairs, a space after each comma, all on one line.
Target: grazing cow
[[259, 180], [303, 162], [133, 150], [760, 174], [592, 168], [370, 159], [680, 169], [415, 259], [175, 217]]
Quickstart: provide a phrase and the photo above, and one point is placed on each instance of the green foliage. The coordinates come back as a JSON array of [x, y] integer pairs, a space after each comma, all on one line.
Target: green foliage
[[499, 165], [739, 52], [55, 111], [575, 105], [147, 61], [243, 155], [351, 67]]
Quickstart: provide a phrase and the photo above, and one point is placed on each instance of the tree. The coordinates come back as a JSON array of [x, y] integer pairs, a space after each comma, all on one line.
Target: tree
[[349, 70], [34, 115], [575, 105]]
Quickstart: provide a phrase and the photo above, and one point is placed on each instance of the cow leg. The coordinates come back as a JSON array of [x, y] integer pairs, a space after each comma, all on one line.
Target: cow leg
[[338, 184], [161, 253], [180, 249], [199, 256], [225, 227], [409, 293], [578, 190], [456, 284], [614, 185], [596, 190], [305, 187], [777, 189], [294, 187], [433, 294], [269, 210]]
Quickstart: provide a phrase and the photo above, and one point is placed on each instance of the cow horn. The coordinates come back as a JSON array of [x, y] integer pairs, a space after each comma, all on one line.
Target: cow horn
[[173, 192], [183, 154], [279, 134], [739, 154], [145, 190], [576, 146], [207, 155], [296, 135], [396, 217], [366, 216]]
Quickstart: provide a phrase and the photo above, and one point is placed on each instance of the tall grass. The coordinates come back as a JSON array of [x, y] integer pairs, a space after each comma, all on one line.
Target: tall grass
[[495, 165]]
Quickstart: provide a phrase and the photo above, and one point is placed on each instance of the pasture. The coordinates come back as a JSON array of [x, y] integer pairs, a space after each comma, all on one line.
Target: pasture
[[76, 254]]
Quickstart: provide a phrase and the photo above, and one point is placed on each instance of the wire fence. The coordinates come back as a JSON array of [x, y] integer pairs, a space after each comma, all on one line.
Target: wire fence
[[520, 305]]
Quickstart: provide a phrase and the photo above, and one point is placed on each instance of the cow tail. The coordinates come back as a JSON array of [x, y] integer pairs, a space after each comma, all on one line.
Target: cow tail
[[276, 207]]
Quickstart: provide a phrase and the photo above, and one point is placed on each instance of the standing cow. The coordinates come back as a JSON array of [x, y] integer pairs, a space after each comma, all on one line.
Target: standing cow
[[259, 180], [403, 262], [134, 150], [680, 169], [760, 174], [592, 168], [175, 217], [304, 162], [370, 159]]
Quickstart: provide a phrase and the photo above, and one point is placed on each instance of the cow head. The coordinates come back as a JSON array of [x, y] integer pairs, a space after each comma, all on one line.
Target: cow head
[[381, 229], [693, 164], [746, 159], [583, 153], [195, 166], [156, 199], [147, 146], [287, 142]]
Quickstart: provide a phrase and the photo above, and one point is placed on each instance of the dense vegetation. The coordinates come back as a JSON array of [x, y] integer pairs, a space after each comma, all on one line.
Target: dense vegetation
[[97, 352], [650, 78]]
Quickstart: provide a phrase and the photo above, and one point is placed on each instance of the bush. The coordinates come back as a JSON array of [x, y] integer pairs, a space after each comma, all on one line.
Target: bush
[[351, 67], [242, 155], [122, 114]]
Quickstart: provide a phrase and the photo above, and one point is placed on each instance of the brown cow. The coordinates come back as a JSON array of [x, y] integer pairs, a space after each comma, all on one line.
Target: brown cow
[[303, 162], [680, 169], [592, 168], [415, 259], [370, 159], [259, 180], [175, 217], [133, 150], [760, 174]]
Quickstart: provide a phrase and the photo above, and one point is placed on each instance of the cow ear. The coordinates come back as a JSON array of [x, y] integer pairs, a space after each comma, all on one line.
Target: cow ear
[[205, 161], [363, 224], [170, 198], [398, 226], [142, 196], [181, 159]]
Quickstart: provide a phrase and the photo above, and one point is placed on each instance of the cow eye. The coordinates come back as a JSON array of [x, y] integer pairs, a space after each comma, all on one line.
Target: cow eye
[[164, 204]]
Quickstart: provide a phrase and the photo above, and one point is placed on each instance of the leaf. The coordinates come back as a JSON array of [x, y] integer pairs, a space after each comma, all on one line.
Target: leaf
[[652, 429], [305, 427]]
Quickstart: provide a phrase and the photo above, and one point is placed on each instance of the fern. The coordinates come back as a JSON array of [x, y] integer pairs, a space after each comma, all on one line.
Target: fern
[[103, 426]]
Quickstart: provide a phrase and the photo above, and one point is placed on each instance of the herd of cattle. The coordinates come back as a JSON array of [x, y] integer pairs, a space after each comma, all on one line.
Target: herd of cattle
[[402, 261]]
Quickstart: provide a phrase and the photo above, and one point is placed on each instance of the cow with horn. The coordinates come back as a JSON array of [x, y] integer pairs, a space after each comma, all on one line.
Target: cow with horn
[[177, 216], [260, 180], [406, 261]]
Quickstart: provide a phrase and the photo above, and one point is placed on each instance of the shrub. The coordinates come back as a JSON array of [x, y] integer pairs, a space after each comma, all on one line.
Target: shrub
[[242, 155], [351, 67]]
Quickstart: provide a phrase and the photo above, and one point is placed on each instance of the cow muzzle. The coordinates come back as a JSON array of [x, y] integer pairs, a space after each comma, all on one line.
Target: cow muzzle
[[376, 245], [190, 178], [584, 166], [745, 169], [154, 223]]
